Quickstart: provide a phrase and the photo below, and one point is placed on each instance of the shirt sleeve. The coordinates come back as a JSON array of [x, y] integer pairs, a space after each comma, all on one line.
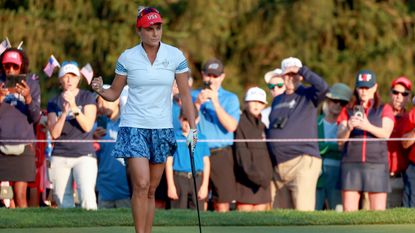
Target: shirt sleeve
[[52, 107], [409, 122], [182, 66], [343, 116], [388, 112], [120, 67], [90, 98]]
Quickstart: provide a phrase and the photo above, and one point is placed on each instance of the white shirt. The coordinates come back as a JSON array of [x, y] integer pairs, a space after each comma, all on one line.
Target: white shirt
[[149, 102]]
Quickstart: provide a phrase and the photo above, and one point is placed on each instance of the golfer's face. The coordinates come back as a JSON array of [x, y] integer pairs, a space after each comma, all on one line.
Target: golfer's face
[[151, 36]]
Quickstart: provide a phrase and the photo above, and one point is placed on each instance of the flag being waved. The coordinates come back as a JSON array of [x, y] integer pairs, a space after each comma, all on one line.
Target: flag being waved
[[5, 44], [50, 67], [87, 72]]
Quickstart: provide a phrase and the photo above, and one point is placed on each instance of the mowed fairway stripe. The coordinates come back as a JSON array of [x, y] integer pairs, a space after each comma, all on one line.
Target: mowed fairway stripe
[[408, 228]]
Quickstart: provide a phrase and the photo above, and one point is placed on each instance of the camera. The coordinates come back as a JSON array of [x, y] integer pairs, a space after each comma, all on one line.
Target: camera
[[206, 85], [358, 111], [12, 80], [280, 122]]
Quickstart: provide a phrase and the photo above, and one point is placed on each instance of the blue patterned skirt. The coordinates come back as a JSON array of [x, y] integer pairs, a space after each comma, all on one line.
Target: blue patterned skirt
[[152, 144]]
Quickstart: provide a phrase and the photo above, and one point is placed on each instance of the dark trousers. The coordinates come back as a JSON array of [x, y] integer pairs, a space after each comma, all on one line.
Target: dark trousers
[[185, 191]]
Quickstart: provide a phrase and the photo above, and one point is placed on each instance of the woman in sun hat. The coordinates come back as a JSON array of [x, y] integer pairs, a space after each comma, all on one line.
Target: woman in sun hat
[[328, 185], [146, 136], [364, 165], [71, 116]]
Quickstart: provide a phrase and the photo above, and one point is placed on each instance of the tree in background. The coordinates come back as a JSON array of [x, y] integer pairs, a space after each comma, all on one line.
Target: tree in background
[[334, 37]]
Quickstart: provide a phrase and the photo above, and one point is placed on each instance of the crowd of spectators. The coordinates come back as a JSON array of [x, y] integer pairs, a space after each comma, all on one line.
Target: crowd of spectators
[[248, 159]]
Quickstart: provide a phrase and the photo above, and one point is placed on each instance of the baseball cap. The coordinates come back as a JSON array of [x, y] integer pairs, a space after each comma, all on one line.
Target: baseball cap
[[365, 78], [147, 17], [340, 91], [404, 81], [289, 62], [213, 66], [256, 94], [69, 67], [273, 73], [12, 57]]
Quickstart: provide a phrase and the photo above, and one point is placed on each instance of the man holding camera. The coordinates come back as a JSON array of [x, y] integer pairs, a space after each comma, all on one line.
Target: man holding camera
[[219, 116], [294, 116]]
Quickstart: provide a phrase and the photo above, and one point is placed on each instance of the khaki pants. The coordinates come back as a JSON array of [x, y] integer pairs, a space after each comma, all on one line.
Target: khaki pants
[[296, 182]]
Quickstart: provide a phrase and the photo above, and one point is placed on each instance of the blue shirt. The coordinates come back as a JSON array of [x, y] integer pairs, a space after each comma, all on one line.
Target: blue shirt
[[149, 104], [209, 123], [181, 158], [176, 115], [112, 178]]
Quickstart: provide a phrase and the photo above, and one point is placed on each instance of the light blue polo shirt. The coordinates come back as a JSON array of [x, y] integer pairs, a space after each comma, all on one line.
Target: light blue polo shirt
[[149, 102], [209, 123]]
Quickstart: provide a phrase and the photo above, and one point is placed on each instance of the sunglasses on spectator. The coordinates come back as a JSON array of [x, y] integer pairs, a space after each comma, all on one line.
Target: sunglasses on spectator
[[8, 66], [341, 102], [395, 92], [211, 75], [272, 86], [147, 10]]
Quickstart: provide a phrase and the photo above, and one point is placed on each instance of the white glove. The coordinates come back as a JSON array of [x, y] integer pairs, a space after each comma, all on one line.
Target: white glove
[[192, 139]]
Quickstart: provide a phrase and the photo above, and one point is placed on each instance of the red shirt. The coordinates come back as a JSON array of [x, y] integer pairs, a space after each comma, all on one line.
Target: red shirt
[[397, 155], [408, 124]]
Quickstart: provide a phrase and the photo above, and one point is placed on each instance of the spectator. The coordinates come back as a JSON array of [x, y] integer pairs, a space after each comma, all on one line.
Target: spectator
[[252, 161], [19, 112], [112, 183], [146, 135], [179, 170], [409, 174], [219, 116], [177, 103], [294, 115], [328, 185], [71, 116], [364, 165], [400, 95], [276, 86]]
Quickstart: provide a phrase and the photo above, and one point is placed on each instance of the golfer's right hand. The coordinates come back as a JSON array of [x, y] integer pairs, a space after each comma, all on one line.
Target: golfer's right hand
[[97, 84]]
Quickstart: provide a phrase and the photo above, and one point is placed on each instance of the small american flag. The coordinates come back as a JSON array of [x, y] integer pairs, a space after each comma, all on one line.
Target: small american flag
[[87, 72], [4, 45], [50, 67]]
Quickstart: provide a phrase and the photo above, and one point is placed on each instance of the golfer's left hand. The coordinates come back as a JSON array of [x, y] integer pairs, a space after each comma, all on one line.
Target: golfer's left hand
[[192, 139]]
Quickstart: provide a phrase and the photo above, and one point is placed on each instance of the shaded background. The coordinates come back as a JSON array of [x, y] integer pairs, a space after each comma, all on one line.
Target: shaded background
[[335, 38]]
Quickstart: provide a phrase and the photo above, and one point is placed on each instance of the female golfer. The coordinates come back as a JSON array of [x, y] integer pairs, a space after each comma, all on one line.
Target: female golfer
[[146, 135]]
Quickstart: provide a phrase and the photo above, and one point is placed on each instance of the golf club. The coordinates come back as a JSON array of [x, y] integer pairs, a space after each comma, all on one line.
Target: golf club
[[192, 163]]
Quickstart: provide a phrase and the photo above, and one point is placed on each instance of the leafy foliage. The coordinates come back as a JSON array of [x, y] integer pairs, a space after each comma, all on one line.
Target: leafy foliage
[[335, 38]]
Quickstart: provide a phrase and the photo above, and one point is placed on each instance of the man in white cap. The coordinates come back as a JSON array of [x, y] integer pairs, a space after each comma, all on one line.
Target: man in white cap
[[294, 116]]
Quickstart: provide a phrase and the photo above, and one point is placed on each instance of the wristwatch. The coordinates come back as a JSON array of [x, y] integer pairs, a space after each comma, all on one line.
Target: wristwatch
[[76, 113]]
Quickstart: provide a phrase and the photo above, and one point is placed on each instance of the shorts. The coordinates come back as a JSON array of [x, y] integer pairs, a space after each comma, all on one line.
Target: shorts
[[152, 144], [365, 177]]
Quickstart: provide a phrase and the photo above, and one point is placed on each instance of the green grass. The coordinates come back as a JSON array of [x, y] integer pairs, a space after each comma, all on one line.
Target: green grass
[[58, 218], [250, 229]]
